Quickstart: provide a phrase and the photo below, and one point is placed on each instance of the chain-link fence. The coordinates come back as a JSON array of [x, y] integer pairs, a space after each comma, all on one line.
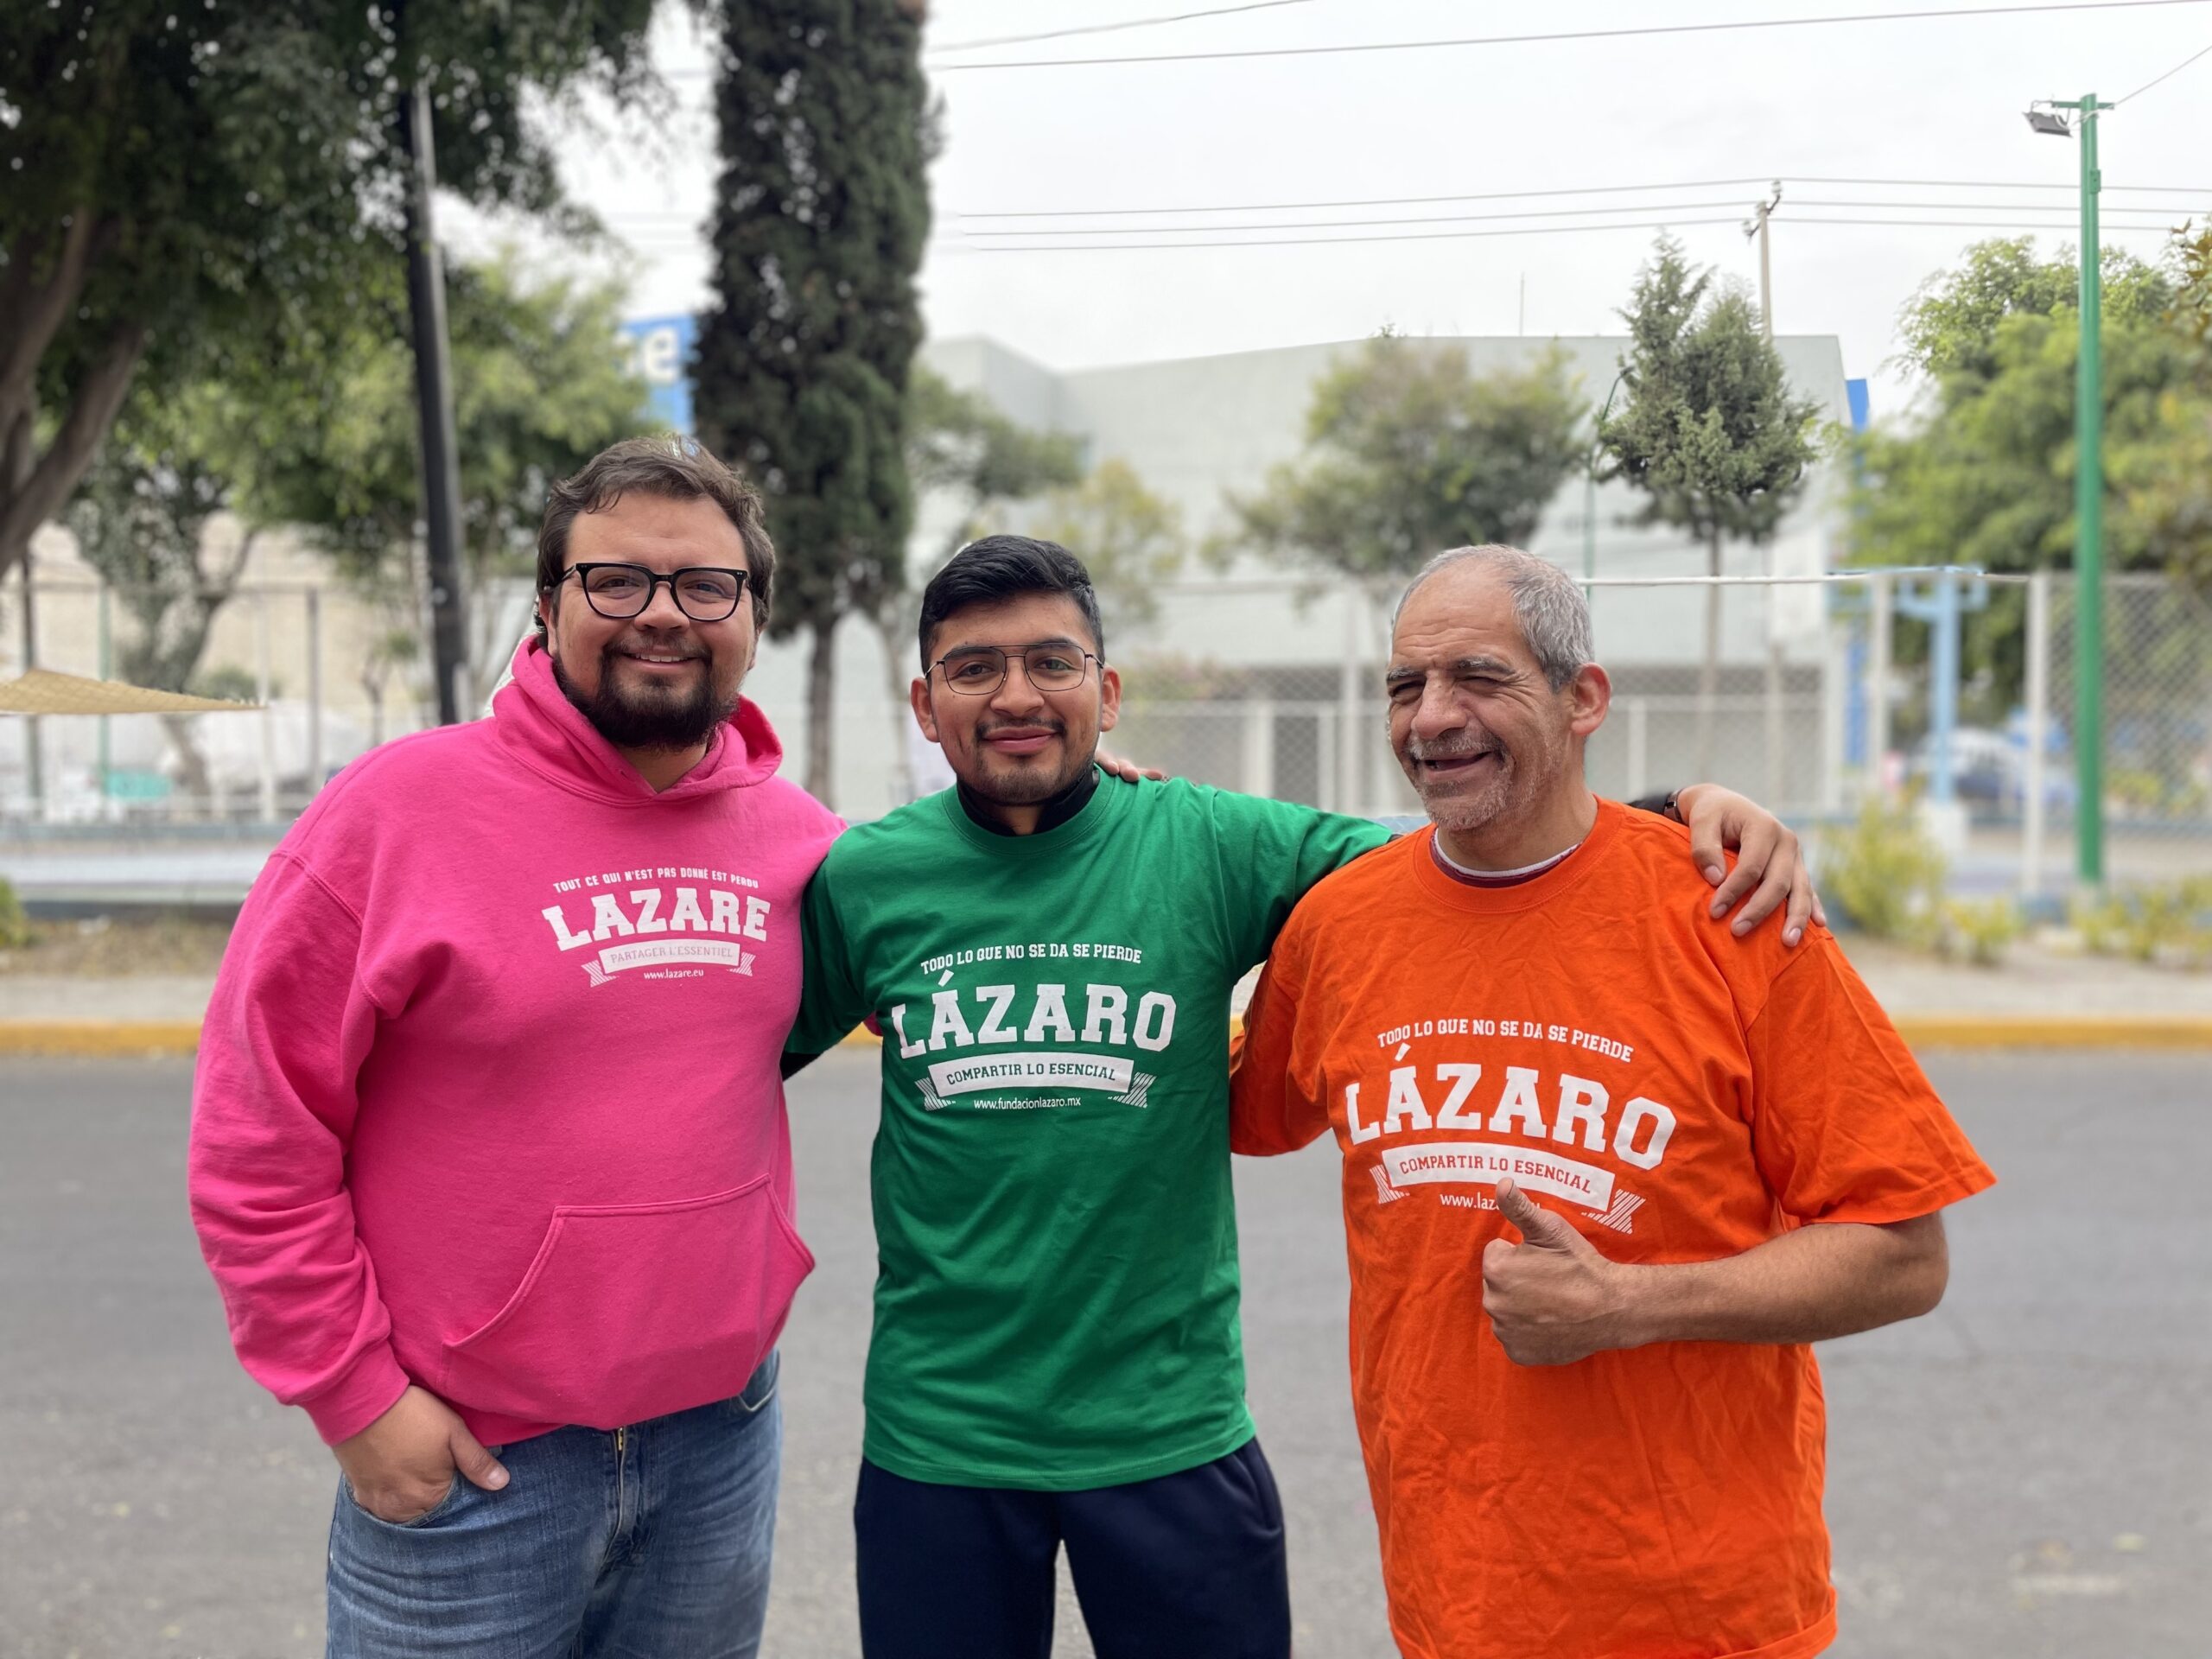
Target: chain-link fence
[[1949, 687], [1203, 698], [334, 672]]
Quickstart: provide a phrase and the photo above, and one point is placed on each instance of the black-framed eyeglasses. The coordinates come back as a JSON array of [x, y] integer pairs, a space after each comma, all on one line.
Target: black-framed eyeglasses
[[619, 592], [980, 670]]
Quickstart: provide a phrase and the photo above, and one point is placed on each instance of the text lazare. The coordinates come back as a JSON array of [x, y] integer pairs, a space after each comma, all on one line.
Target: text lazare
[[648, 910]]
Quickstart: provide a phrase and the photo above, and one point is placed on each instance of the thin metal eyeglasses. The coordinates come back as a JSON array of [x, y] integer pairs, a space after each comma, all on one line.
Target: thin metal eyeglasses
[[619, 592], [980, 670]]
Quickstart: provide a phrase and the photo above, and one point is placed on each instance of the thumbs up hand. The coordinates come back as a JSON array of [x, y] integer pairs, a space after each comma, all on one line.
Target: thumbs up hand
[[1552, 1298]]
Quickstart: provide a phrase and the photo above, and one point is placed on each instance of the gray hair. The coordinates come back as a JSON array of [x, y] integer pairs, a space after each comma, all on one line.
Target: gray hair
[[1554, 617]]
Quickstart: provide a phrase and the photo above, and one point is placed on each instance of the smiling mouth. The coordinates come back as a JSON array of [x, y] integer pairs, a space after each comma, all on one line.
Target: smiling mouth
[[1453, 766], [660, 659], [1020, 740]]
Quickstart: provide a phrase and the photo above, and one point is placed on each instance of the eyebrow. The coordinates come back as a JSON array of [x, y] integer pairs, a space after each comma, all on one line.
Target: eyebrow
[[1034, 644], [1458, 665]]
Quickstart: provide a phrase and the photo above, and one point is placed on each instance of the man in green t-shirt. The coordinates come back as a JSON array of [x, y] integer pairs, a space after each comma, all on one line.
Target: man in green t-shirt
[[1056, 1357]]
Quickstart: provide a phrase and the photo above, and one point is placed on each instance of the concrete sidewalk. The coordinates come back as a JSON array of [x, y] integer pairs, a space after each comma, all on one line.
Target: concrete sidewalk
[[2039, 999]]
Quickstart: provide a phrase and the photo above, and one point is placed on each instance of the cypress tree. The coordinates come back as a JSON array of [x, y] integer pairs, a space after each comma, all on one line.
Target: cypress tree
[[803, 358]]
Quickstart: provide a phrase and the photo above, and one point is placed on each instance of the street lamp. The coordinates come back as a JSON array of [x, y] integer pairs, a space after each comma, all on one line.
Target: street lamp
[[2089, 499]]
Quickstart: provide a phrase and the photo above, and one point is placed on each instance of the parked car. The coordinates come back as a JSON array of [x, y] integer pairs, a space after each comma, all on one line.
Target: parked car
[[1990, 768]]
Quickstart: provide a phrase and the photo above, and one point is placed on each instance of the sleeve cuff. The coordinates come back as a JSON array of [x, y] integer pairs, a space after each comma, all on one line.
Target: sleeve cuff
[[1913, 1205], [367, 1390]]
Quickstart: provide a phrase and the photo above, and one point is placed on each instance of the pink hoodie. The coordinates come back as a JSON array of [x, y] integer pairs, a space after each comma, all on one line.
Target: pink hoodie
[[487, 1097]]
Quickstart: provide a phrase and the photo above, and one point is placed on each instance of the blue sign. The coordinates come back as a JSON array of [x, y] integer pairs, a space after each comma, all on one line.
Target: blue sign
[[659, 350], [1861, 405]]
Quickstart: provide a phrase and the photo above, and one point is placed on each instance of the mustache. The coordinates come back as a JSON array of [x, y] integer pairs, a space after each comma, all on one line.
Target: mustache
[[1057, 728], [1450, 748], [645, 647]]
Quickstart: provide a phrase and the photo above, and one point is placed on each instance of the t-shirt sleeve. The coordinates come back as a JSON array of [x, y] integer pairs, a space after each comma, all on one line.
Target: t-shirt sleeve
[[1270, 853], [1276, 1099], [1846, 1127], [832, 999]]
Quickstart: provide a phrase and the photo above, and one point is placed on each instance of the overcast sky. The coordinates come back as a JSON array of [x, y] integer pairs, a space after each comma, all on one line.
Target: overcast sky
[[1930, 100]]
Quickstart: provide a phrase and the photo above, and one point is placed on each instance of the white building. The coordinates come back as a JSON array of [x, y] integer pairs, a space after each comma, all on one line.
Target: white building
[[1265, 678], [1304, 721]]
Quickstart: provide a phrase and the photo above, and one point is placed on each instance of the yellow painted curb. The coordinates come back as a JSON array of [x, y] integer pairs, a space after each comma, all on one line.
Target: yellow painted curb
[[135, 1039], [1991, 1031], [2056, 1031], [99, 1038]]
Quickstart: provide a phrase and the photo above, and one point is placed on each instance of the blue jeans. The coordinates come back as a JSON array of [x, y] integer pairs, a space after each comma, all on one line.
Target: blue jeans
[[651, 1542]]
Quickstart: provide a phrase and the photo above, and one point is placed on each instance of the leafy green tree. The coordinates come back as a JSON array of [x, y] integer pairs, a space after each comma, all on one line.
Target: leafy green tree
[[1949, 326], [184, 181], [539, 388], [2192, 306], [1706, 427], [1409, 451], [140, 518], [804, 360], [1982, 472], [1130, 539], [963, 450], [2168, 480]]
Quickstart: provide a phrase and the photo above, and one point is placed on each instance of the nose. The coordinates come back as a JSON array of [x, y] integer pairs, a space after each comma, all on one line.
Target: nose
[[1016, 695], [1438, 713], [661, 609]]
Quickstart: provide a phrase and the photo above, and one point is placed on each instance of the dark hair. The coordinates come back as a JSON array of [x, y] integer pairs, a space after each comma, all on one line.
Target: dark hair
[[675, 468], [1006, 567]]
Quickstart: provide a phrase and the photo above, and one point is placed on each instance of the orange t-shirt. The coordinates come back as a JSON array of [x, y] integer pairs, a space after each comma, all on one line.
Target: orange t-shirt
[[1680, 1096]]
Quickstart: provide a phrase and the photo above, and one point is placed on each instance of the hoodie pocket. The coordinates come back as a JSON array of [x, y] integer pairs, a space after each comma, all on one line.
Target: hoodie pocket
[[631, 1311]]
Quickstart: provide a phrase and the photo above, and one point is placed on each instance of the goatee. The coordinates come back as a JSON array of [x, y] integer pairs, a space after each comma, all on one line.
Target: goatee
[[670, 720]]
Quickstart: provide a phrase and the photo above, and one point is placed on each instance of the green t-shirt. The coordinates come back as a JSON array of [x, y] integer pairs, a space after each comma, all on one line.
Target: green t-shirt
[[1056, 1304]]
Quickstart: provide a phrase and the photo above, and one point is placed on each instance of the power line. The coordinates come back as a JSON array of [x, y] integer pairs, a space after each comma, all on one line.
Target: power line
[[1569, 35], [1331, 224], [1986, 224], [2169, 75], [674, 216], [1323, 241], [1525, 230], [1584, 190], [1372, 201], [1111, 29], [1987, 207], [2001, 184], [1561, 213]]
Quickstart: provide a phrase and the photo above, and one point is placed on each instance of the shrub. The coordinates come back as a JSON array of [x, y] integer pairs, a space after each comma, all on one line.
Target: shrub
[[1884, 873], [15, 926], [2162, 923], [1979, 932]]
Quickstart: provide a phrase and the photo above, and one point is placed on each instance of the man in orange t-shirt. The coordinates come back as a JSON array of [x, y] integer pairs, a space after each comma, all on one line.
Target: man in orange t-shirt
[[1592, 1428]]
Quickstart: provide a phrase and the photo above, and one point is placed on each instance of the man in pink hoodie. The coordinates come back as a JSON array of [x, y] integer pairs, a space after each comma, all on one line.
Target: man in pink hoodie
[[489, 1152]]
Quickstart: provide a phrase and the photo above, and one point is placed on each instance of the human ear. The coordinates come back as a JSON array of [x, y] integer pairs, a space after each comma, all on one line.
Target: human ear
[[1590, 695], [917, 697]]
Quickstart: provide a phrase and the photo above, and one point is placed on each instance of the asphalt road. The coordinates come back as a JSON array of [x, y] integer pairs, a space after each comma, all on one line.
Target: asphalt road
[[2025, 1475]]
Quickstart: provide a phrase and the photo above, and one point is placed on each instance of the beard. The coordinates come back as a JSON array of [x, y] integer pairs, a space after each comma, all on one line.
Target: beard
[[1007, 781], [1449, 801], [651, 717]]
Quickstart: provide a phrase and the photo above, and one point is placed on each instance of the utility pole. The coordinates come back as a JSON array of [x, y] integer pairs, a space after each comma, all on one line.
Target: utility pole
[[2088, 503], [1757, 225], [426, 309]]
